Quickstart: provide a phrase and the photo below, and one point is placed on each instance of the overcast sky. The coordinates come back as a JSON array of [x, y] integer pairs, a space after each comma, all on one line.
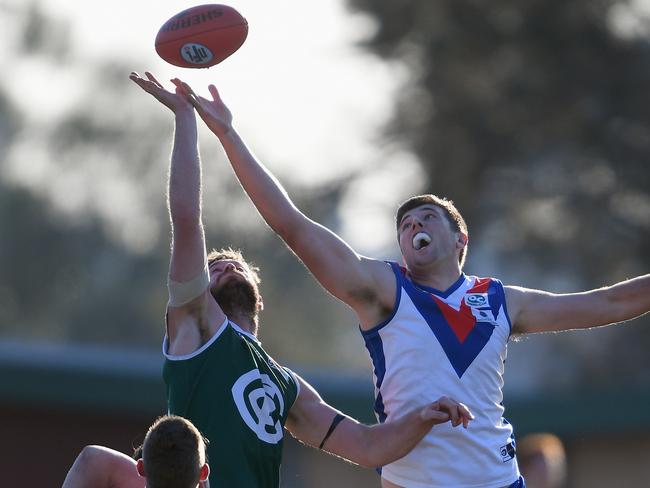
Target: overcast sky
[[304, 95]]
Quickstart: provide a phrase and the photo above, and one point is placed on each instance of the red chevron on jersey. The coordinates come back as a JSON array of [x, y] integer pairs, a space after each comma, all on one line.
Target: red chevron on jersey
[[481, 286], [460, 321]]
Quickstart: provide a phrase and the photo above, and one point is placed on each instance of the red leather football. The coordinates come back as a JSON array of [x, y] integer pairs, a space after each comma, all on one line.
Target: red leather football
[[201, 36]]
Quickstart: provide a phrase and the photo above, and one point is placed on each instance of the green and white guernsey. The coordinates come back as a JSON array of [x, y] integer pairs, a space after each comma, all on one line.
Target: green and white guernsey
[[239, 398]]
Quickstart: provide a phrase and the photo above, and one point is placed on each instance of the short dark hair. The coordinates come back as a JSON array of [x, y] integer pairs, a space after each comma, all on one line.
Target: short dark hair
[[452, 214], [173, 453]]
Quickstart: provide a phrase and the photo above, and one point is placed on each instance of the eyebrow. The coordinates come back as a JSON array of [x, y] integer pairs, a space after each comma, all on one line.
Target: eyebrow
[[426, 206]]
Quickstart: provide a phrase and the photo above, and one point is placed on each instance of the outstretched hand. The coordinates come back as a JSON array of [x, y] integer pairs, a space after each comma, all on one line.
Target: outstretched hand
[[446, 409], [177, 101], [214, 112]]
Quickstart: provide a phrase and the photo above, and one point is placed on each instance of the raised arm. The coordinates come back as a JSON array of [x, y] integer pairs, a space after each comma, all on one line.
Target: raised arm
[[192, 314], [538, 311], [364, 284], [311, 420]]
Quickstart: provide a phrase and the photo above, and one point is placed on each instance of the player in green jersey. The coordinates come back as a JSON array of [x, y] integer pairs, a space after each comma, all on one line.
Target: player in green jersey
[[216, 372]]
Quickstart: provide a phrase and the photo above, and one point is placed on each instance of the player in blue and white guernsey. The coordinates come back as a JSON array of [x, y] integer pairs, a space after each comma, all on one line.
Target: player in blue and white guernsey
[[430, 329]]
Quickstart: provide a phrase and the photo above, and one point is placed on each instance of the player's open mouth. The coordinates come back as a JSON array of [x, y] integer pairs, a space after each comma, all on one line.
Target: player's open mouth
[[420, 240]]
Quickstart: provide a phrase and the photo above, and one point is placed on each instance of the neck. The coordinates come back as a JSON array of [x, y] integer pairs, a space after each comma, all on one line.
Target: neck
[[438, 277], [245, 322]]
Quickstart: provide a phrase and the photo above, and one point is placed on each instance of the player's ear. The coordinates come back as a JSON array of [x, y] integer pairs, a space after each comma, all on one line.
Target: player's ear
[[140, 467], [205, 472], [260, 304], [462, 240]]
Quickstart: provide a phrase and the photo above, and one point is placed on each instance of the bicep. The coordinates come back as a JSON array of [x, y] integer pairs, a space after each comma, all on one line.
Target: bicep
[[540, 311], [349, 276], [310, 419]]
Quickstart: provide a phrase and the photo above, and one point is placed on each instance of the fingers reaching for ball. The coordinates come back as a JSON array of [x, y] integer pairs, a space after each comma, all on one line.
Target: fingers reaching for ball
[[215, 93], [187, 90], [153, 79], [214, 112], [176, 101]]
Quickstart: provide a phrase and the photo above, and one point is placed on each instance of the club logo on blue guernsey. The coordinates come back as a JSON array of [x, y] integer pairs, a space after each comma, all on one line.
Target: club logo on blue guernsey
[[476, 299], [260, 405]]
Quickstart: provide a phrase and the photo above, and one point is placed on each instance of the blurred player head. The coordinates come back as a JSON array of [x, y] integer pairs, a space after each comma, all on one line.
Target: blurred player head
[[173, 454], [542, 460]]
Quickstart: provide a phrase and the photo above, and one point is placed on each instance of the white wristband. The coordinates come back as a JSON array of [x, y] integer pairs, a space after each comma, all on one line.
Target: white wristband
[[181, 293]]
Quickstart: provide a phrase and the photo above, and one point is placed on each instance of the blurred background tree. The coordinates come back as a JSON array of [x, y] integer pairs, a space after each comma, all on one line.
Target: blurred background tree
[[85, 234], [530, 115]]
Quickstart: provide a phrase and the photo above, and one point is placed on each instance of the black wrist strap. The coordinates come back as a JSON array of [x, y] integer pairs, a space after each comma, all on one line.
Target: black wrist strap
[[335, 421]]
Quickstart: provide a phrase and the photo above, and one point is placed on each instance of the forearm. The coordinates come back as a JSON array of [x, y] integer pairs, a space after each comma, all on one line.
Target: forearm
[[184, 200], [314, 422], [336, 266], [264, 190], [185, 172], [376, 445], [629, 299], [390, 441]]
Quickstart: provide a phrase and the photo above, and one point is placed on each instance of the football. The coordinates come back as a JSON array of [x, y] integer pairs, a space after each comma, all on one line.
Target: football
[[201, 36]]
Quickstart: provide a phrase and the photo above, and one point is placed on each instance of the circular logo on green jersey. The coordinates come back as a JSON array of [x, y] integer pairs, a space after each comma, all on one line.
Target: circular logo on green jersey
[[260, 405]]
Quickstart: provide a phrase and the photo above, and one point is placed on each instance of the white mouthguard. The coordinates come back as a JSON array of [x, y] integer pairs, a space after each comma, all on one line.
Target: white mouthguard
[[420, 240]]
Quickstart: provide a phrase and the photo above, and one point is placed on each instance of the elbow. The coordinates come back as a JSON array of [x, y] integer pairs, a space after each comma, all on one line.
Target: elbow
[[289, 230], [374, 461], [94, 458], [377, 459], [369, 459]]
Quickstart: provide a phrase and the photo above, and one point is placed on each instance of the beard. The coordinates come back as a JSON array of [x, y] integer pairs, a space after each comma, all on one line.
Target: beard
[[237, 297]]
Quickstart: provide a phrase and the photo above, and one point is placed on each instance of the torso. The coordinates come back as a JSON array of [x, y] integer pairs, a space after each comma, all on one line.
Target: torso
[[239, 398], [450, 343]]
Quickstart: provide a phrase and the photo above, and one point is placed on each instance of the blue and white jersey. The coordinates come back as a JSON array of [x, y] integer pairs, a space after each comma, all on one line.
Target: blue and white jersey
[[450, 343]]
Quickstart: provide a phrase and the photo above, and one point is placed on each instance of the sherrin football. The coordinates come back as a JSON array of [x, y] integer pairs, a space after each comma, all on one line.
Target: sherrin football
[[201, 36]]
